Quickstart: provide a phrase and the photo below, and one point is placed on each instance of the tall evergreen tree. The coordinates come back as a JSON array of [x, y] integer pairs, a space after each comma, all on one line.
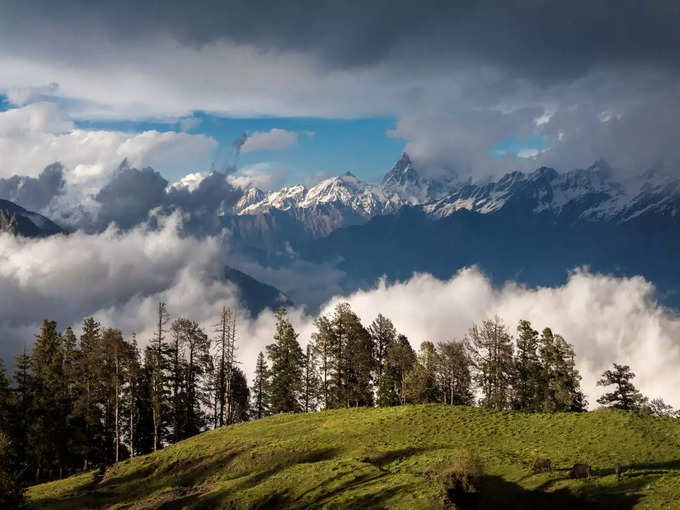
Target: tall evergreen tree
[[287, 362], [491, 348], [51, 402], [455, 373], [352, 363], [260, 392], [89, 374], [528, 382], [239, 409], [22, 415], [324, 341], [625, 395], [310, 382], [560, 386], [156, 360], [399, 361], [420, 383], [383, 334]]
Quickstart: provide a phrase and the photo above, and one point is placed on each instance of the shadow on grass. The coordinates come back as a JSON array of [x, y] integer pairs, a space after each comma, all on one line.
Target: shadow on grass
[[495, 492]]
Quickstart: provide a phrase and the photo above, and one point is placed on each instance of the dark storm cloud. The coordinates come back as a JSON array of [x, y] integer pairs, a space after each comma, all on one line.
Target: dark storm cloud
[[34, 193], [129, 196], [132, 194], [545, 39]]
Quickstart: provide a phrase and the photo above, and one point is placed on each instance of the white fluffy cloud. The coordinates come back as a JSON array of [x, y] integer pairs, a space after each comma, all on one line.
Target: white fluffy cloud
[[607, 320], [36, 135], [264, 175], [120, 277], [274, 139]]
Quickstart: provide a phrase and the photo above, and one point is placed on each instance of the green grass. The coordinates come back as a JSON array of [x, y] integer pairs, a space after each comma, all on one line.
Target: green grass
[[391, 458]]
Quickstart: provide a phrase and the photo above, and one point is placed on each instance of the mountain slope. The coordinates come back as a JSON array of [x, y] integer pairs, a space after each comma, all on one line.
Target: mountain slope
[[255, 295], [391, 458], [27, 223]]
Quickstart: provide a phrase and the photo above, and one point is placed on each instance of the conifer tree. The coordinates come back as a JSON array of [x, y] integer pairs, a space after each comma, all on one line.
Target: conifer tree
[[528, 382], [239, 409], [310, 382], [351, 360], [260, 391], [560, 385], [386, 395], [287, 362], [157, 362], [324, 340], [420, 382], [383, 334], [454, 373], [399, 361], [625, 395], [51, 403], [491, 348], [22, 415]]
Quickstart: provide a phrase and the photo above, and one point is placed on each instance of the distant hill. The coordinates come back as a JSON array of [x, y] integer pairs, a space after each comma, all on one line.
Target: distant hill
[[27, 223], [392, 458], [255, 295]]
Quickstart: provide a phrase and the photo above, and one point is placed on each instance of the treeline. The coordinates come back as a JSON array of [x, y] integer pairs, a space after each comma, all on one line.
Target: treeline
[[76, 403]]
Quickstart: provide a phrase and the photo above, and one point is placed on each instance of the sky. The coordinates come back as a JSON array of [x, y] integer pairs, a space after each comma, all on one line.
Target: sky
[[472, 88], [276, 93]]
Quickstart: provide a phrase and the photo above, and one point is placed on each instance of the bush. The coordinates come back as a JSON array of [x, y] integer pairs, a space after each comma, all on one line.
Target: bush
[[459, 479]]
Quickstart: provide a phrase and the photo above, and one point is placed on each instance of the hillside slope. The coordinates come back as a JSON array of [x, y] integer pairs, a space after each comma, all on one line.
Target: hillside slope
[[389, 458]]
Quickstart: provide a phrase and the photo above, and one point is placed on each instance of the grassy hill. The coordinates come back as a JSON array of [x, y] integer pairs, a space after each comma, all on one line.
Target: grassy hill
[[392, 458]]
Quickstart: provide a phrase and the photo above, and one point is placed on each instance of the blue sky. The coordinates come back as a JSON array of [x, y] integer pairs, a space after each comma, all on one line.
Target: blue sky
[[336, 146]]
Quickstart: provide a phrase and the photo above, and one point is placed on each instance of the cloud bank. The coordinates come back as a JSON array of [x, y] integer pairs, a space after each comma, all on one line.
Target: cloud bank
[[590, 79], [274, 139], [120, 276]]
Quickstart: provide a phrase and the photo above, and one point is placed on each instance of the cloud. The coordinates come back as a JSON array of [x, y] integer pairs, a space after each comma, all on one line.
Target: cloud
[[34, 193], [21, 96], [189, 123], [456, 64], [37, 135], [607, 319], [265, 175], [120, 276], [274, 139]]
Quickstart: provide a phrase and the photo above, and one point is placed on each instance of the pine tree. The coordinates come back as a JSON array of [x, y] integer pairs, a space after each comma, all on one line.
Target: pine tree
[[491, 348], [226, 360], [420, 383], [89, 373], [528, 383], [157, 362], [351, 361], [51, 403], [625, 395], [260, 392], [22, 415], [387, 395], [560, 385], [383, 334], [454, 373], [324, 340], [310, 382], [400, 359], [287, 362], [239, 410]]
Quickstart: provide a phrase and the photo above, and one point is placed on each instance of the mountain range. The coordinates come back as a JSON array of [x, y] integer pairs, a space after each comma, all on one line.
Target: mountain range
[[532, 228]]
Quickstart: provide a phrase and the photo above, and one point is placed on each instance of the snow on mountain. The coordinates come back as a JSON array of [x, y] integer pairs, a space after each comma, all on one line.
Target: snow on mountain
[[590, 194], [404, 181]]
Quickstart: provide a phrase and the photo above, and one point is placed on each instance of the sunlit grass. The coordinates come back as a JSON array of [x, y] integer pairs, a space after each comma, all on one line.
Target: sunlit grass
[[384, 458]]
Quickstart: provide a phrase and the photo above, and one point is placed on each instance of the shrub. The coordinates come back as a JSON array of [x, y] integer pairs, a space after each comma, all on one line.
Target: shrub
[[459, 478]]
